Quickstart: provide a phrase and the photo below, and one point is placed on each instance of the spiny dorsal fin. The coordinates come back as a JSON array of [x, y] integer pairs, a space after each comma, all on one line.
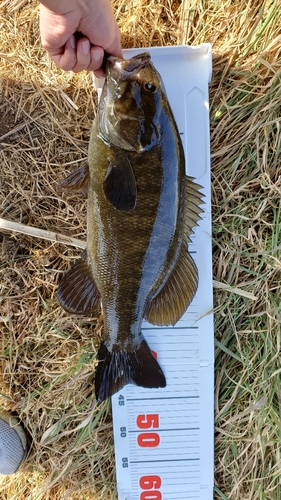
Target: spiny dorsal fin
[[77, 292], [120, 187], [192, 209], [77, 182]]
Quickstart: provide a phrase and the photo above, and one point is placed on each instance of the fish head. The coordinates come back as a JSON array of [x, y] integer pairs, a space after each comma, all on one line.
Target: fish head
[[131, 105]]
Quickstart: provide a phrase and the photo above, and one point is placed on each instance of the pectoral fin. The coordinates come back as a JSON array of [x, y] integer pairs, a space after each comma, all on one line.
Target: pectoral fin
[[78, 181], [177, 293], [119, 185], [77, 292]]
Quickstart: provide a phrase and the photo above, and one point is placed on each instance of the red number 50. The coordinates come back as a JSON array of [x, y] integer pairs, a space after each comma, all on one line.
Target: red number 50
[[148, 421], [148, 439]]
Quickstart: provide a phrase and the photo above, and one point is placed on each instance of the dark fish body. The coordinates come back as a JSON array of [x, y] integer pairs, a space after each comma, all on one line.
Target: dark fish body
[[141, 210]]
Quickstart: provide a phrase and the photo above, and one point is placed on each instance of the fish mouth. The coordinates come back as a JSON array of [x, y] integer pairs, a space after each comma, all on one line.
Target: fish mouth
[[121, 69]]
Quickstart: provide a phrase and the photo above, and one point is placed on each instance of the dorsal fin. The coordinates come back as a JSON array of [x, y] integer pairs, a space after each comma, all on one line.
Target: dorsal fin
[[192, 209], [173, 299], [177, 293]]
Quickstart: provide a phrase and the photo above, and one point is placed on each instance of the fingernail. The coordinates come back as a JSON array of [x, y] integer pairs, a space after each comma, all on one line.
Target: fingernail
[[72, 42], [86, 47], [97, 54]]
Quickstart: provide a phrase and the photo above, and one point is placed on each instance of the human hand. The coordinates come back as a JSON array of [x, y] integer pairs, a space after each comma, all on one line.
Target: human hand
[[60, 20]]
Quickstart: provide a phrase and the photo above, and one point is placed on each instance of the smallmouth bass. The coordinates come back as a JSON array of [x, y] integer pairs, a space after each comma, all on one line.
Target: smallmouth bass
[[141, 211]]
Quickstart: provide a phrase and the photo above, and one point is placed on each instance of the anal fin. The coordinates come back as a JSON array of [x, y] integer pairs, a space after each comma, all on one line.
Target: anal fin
[[77, 292]]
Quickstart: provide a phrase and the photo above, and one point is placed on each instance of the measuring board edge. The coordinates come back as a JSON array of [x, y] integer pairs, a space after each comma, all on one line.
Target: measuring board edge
[[184, 410]]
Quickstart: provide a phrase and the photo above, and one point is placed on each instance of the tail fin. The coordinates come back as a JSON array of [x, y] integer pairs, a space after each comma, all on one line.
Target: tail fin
[[118, 368]]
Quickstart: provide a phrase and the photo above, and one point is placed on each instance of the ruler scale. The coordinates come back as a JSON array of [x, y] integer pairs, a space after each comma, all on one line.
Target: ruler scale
[[164, 437]]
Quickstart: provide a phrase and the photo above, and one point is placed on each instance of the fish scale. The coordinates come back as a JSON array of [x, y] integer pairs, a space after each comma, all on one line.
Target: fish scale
[[164, 437]]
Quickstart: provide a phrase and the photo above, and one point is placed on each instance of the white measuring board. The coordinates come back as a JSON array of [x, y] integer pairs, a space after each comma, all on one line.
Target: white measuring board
[[164, 437]]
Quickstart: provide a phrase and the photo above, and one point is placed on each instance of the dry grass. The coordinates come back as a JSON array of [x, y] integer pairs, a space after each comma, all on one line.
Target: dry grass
[[48, 357]]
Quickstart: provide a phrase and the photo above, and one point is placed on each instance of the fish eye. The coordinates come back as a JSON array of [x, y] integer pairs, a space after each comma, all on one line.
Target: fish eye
[[149, 87]]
